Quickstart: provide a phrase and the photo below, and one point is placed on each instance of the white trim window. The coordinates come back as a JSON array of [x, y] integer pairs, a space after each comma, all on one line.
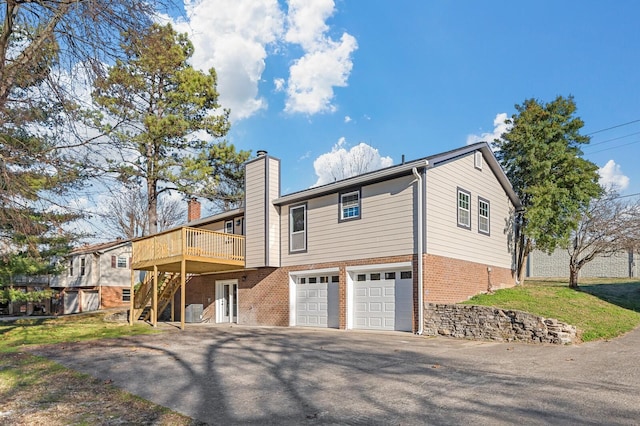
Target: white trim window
[[228, 227], [464, 209], [350, 205], [483, 216], [298, 228], [122, 262]]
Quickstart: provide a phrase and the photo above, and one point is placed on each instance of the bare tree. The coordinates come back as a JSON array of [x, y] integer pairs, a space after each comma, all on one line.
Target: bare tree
[[608, 226], [126, 213]]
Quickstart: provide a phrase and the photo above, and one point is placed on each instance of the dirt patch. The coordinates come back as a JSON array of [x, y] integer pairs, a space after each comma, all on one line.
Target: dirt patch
[[35, 391]]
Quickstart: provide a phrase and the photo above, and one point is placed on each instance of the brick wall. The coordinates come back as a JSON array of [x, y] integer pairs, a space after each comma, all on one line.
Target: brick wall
[[263, 294], [448, 280], [111, 297]]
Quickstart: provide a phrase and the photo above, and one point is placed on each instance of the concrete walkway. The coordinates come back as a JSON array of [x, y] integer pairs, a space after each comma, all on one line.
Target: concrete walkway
[[240, 375]]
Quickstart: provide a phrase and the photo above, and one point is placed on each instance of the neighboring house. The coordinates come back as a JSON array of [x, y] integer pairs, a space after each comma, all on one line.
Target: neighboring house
[[556, 265], [365, 252], [96, 277], [28, 284]]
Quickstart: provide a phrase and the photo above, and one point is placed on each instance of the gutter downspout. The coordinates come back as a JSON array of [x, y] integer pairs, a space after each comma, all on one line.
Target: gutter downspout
[[420, 249]]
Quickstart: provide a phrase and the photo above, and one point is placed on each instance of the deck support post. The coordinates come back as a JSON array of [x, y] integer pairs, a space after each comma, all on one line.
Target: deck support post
[[183, 292], [132, 298], [154, 312]]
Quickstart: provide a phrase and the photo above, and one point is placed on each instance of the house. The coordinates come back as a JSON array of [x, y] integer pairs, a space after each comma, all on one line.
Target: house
[[96, 277], [621, 264], [27, 284], [365, 252]]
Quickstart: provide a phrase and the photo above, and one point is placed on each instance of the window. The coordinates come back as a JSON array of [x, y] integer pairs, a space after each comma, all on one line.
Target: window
[[126, 295], [335, 279], [70, 267], [298, 228], [361, 277], [375, 277], [324, 279], [483, 216], [228, 227], [350, 205], [82, 266], [404, 275], [122, 262], [464, 209], [313, 280], [389, 275], [303, 280]]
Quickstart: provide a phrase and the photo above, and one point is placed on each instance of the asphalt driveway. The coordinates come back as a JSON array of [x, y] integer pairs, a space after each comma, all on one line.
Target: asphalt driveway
[[239, 375]]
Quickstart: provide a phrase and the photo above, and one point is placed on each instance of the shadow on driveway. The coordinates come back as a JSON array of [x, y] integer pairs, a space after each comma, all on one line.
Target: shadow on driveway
[[240, 375]]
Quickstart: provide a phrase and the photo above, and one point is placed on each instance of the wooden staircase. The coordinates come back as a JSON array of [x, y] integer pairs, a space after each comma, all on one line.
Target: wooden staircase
[[168, 285]]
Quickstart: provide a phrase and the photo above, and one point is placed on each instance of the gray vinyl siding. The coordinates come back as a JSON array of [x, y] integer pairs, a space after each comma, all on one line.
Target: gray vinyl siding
[[385, 228], [556, 265], [258, 209], [254, 214], [218, 226], [444, 236], [273, 214]]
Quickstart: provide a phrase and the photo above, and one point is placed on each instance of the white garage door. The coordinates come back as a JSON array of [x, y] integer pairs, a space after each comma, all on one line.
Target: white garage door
[[71, 305], [90, 301], [317, 301], [383, 300]]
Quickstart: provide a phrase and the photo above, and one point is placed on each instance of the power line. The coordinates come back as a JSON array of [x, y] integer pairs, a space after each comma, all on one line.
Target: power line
[[613, 127], [613, 139], [614, 147]]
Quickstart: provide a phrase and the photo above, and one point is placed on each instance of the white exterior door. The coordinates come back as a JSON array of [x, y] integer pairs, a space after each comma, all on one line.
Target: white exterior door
[[383, 301], [227, 301]]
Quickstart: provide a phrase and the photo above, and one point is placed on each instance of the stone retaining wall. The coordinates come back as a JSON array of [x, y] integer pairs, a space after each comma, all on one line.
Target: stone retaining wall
[[487, 323]]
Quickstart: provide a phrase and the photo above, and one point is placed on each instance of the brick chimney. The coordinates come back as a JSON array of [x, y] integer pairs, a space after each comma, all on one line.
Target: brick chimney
[[193, 210]]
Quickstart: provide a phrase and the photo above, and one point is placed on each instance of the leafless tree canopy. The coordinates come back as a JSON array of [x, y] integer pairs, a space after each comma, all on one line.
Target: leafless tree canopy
[[126, 214], [611, 224]]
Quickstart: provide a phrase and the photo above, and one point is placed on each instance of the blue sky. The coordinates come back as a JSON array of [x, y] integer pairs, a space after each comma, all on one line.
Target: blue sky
[[310, 78]]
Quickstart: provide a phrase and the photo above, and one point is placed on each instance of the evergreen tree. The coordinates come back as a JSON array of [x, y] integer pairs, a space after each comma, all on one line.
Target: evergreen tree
[[157, 108], [541, 154]]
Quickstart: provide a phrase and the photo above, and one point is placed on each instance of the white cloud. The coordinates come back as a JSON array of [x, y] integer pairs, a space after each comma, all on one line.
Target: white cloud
[[326, 63], [279, 84], [232, 36], [341, 163], [611, 176], [499, 127], [236, 36], [347, 119]]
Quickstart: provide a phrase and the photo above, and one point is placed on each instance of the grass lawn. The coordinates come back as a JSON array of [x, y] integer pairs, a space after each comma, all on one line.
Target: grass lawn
[[602, 309], [34, 390]]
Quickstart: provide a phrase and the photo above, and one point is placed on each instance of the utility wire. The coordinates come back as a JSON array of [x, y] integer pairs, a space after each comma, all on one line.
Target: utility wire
[[613, 127], [611, 140], [614, 147]]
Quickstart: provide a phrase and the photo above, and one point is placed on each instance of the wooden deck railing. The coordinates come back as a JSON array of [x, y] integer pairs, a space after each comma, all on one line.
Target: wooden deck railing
[[191, 242]]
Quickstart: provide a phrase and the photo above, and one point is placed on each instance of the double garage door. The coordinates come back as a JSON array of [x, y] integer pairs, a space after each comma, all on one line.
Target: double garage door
[[378, 300]]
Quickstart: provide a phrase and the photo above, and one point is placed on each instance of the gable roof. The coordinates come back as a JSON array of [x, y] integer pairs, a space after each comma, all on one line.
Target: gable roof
[[99, 248], [406, 169]]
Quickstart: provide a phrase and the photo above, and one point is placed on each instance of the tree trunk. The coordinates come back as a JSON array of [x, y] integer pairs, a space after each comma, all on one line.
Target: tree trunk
[[152, 213], [521, 259], [574, 271]]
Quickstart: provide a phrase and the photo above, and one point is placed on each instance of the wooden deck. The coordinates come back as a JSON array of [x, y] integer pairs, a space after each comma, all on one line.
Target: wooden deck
[[173, 256], [201, 249]]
